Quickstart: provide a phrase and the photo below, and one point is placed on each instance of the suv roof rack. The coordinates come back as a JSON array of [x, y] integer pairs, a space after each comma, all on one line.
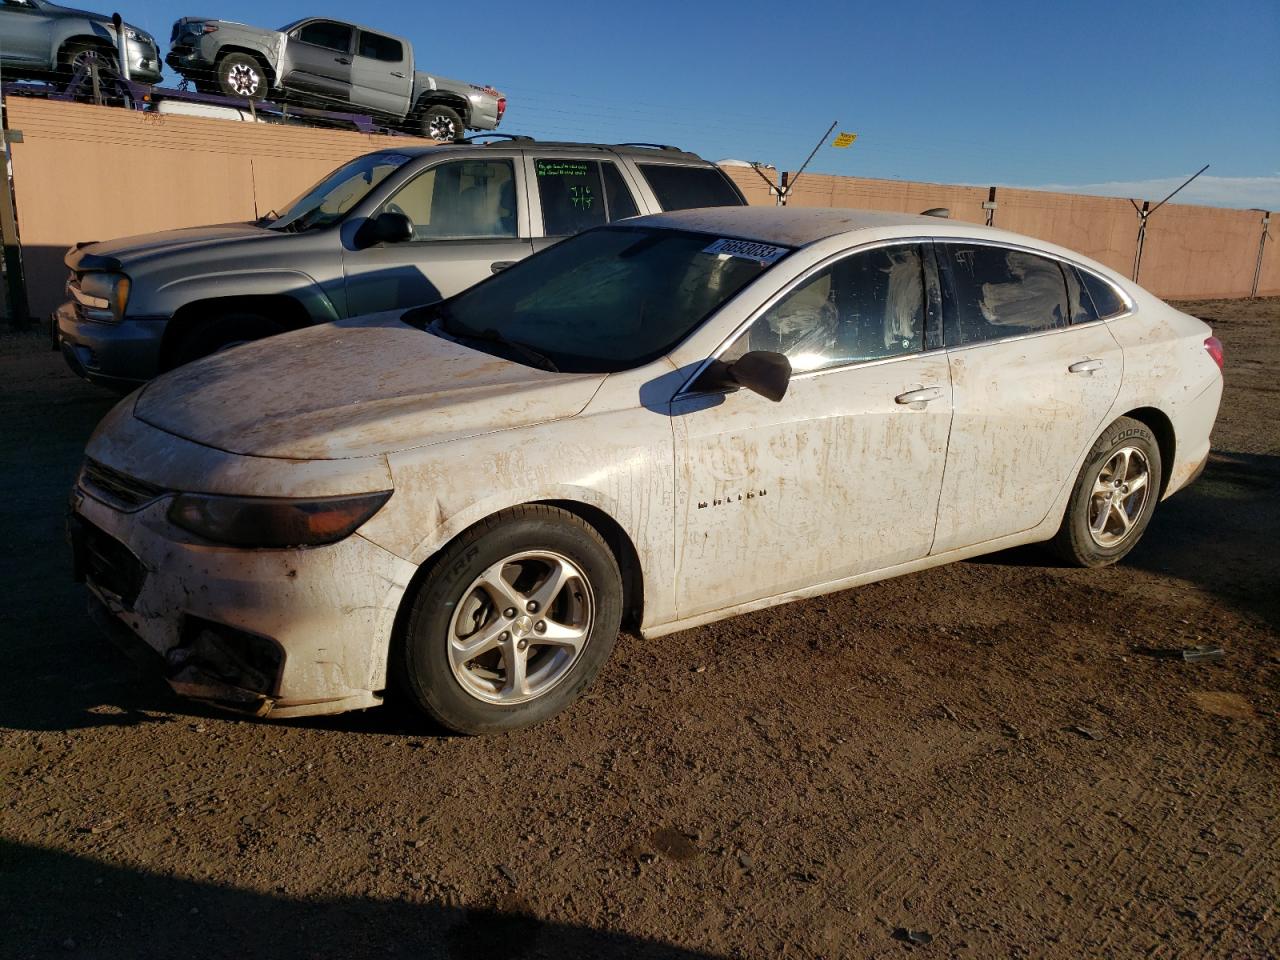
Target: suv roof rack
[[654, 146], [501, 136]]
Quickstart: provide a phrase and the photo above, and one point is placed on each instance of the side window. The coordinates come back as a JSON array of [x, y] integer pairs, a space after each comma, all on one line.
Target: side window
[[327, 34], [868, 306], [460, 199], [621, 203], [1078, 301], [376, 47], [1106, 301], [683, 188], [997, 292], [572, 196]]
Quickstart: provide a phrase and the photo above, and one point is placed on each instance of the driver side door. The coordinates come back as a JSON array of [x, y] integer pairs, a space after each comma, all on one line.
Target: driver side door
[[842, 476], [468, 222]]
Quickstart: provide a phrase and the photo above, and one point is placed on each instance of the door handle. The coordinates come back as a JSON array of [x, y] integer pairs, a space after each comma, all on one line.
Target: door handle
[[499, 265], [918, 397], [342, 60], [1085, 366], [397, 73]]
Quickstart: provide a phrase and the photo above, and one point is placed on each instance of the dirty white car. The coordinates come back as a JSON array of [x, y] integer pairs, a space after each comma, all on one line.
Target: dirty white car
[[661, 423]]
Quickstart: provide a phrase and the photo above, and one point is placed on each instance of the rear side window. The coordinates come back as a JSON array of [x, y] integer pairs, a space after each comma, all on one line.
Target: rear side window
[[683, 188], [580, 194], [325, 33], [376, 47], [1106, 300], [996, 292]]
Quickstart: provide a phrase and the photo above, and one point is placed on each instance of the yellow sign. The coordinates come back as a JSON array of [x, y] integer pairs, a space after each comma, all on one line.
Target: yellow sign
[[844, 139]]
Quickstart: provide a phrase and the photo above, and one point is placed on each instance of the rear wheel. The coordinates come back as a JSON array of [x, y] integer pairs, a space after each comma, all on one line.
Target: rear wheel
[[1114, 496], [240, 75], [512, 624], [221, 333], [439, 122]]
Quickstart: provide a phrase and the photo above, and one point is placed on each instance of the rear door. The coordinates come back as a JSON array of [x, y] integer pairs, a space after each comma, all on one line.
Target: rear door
[[318, 54], [381, 73], [1033, 373], [469, 220]]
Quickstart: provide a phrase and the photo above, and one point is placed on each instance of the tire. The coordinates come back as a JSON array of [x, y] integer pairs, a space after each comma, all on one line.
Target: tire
[[1108, 510], [240, 75], [439, 122], [476, 691], [221, 333], [73, 53]]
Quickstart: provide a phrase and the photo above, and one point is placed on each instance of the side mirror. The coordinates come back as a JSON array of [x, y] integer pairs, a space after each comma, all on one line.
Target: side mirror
[[384, 228], [760, 371]]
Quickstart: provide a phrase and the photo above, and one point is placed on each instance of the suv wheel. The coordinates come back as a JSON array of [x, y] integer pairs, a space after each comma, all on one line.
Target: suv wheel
[[513, 622], [240, 75], [439, 122], [1114, 496], [221, 333]]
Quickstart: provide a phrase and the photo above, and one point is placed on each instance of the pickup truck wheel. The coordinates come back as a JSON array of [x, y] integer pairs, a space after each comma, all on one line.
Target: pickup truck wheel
[[221, 333], [77, 55], [441, 123], [240, 75]]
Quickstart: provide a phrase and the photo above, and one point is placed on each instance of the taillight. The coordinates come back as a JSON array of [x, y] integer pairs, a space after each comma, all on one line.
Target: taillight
[[502, 106], [1214, 346]]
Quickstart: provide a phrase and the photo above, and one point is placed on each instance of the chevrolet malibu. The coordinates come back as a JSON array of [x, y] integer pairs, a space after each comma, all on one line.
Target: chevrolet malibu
[[657, 425]]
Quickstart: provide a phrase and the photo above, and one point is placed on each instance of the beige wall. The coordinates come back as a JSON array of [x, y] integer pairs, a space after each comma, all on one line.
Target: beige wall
[[752, 185], [85, 172], [93, 173]]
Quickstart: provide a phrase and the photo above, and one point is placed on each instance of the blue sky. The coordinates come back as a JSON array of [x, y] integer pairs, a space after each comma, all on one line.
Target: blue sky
[[1125, 97]]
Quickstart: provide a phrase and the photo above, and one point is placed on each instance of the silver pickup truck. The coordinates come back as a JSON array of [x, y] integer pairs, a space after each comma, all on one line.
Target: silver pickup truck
[[330, 64]]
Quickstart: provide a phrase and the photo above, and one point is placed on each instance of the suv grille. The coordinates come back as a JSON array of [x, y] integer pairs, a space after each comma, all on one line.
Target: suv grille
[[115, 488]]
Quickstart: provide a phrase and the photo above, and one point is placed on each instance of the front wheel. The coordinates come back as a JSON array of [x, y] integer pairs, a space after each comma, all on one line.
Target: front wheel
[[512, 624], [1113, 498]]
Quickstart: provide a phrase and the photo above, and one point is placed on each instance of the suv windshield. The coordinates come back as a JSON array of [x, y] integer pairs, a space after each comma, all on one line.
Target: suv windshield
[[606, 300], [330, 199]]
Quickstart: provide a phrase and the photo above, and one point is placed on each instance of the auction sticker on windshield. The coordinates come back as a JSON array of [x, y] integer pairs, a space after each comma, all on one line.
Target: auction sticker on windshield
[[748, 250]]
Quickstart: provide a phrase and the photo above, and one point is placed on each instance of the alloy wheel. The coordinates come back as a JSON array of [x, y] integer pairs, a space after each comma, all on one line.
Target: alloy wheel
[[243, 79], [520, 627], [1119, 496], [442, 128]]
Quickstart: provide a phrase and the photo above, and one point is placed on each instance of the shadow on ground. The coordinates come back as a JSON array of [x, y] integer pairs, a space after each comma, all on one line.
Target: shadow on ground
[[53, 903]]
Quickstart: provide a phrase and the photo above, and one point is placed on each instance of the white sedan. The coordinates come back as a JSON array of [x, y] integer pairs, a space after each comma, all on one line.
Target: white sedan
[[655, 424]]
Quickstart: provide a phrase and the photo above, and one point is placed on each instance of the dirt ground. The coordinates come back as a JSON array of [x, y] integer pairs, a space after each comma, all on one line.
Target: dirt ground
[[982, 754]]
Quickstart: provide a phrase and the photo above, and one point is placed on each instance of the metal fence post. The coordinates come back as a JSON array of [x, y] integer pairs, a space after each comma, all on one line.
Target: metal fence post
[[1262, 246]]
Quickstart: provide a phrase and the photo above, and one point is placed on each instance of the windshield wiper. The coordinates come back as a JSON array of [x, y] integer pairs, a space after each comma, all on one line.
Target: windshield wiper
[[452, 326]]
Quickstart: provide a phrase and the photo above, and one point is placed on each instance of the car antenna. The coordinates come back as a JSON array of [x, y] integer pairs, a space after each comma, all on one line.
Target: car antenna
[[1146, 211], [784, 191]]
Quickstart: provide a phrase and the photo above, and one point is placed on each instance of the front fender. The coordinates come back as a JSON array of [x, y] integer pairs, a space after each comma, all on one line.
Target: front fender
[[169, 297]]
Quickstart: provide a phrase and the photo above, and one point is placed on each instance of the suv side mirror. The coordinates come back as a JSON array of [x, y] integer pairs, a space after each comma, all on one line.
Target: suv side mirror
[[760, 371], [384, 228]]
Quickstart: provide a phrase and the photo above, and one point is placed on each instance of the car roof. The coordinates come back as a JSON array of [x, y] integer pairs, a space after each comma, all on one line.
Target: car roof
[[791, 226]]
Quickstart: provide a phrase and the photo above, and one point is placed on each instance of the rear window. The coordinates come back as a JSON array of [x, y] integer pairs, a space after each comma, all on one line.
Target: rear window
[[380, 48], [683, 188], [577, 195], [1106, 301], [997, 292]]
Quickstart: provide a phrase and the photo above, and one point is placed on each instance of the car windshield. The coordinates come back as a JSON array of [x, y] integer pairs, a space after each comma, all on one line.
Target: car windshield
[[606, 300], [330, 199]]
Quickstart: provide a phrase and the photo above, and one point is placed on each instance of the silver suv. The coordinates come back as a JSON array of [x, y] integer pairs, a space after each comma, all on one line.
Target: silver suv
[[42, 40], [387, 230]]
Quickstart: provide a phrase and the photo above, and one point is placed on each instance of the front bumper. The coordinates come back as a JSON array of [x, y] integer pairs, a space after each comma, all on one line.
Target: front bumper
[[120, 355], [264, 632]]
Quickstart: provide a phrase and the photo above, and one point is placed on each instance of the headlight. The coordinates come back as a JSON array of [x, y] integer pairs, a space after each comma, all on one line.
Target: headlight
[[137, 36], [107, 290], [274, 521]]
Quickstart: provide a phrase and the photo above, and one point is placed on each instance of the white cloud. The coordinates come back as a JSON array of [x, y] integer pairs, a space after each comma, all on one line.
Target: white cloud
[[1244, 192]]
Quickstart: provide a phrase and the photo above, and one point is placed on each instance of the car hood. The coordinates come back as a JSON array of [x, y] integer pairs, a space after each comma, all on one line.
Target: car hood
[[355, 388], [132, 249]]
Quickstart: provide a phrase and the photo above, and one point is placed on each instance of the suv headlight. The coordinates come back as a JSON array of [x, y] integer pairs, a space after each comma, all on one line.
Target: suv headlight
[[107, 290], [274, 522]]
